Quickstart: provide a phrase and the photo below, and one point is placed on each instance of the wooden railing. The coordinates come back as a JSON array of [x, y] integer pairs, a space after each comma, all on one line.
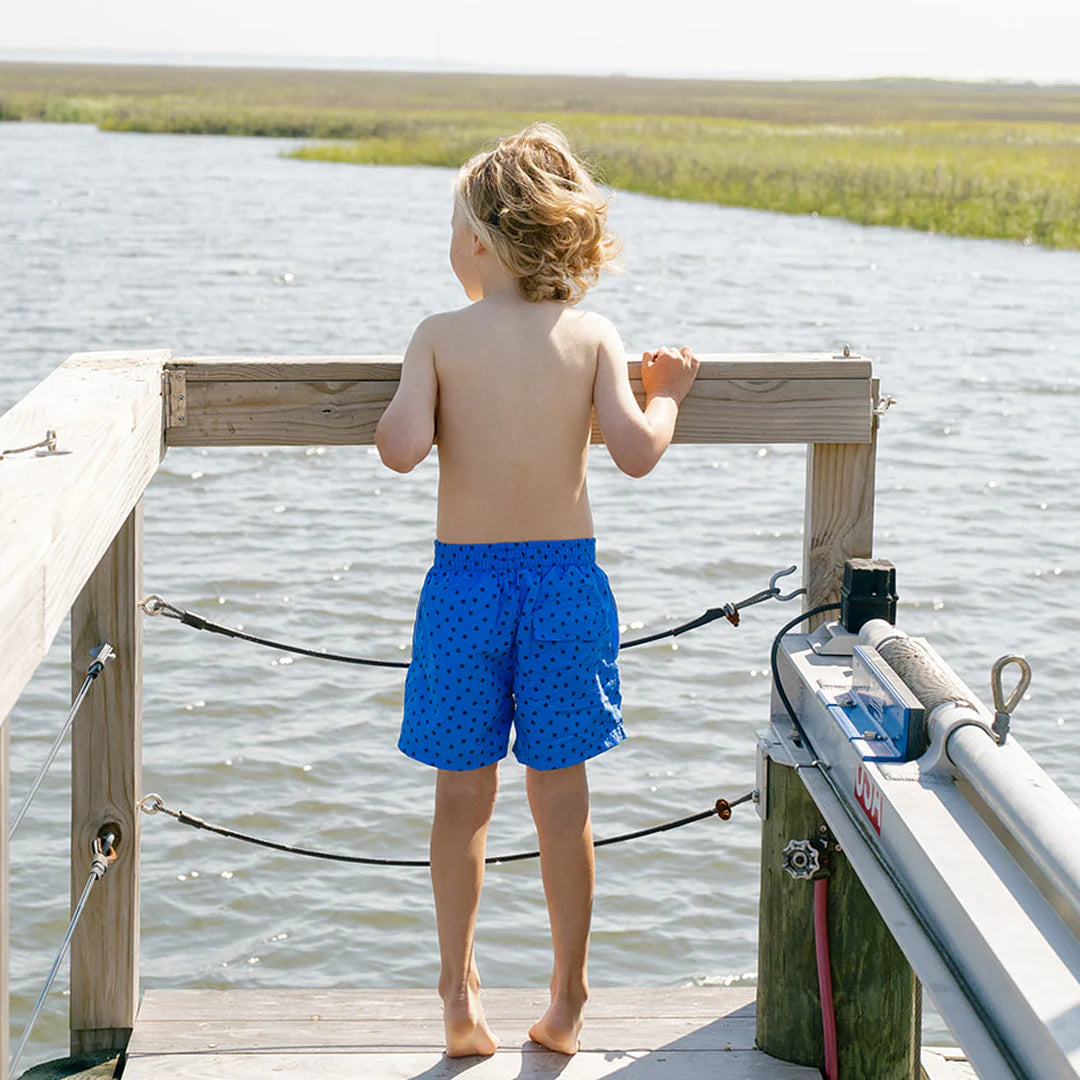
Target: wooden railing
[[71, 541]]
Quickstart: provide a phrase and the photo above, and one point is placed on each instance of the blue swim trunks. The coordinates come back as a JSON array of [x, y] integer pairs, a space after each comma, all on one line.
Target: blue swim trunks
[[522, 634]]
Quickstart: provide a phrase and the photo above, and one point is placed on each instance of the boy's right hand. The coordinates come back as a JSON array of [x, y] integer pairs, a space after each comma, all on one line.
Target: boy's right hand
[[668, 373]]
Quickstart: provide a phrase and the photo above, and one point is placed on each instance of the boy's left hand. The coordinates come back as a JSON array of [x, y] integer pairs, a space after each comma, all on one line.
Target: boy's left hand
[[668, 372]]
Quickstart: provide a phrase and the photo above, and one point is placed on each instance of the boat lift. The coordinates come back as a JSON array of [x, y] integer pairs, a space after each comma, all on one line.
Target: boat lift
[[969, 851]]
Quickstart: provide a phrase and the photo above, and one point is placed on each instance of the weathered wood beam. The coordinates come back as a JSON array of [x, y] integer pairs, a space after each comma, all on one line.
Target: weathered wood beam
[[5, 911], [388, 366], [59, 513], [106, 778], [297, 401]]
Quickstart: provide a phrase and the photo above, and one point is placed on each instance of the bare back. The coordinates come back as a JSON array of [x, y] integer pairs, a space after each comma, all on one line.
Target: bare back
[[515, 396]]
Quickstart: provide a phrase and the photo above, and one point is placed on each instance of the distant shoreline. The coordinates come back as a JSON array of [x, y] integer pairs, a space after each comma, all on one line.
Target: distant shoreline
[[313, 62], [997, 160]]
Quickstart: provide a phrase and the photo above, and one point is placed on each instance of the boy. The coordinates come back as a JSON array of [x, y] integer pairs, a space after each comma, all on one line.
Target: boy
[[516, 624]]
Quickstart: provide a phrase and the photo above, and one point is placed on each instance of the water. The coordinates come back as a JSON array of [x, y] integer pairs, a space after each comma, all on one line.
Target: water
[[208, 245]]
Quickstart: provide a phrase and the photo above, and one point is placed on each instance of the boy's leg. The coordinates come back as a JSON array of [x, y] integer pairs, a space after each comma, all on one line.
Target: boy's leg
[[559, 799], [463, 805]]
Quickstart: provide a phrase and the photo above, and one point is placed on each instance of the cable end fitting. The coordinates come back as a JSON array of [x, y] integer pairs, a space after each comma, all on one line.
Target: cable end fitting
[[101, 654], [104, 850]]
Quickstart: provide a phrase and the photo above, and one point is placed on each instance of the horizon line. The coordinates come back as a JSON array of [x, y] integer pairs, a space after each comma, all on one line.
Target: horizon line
[[325, 62]]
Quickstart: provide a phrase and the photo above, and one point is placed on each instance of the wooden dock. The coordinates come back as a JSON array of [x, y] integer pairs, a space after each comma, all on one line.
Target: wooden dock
[[652, 1034], [72, 534]]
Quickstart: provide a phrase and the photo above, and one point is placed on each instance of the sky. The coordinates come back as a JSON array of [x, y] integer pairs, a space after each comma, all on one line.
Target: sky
[[1022, 40]]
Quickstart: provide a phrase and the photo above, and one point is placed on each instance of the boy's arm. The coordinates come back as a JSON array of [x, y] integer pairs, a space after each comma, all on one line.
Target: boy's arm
[[406, 429], [637, 438]]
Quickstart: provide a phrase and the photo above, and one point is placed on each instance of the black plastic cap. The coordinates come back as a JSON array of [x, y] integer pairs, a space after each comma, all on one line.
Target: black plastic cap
[[868, 592]]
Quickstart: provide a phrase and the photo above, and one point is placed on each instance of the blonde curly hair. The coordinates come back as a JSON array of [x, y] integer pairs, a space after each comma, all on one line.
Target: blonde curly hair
[[535, 207]]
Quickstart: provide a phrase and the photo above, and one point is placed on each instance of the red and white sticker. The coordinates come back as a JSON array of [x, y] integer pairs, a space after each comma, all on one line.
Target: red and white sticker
[[868, 796]]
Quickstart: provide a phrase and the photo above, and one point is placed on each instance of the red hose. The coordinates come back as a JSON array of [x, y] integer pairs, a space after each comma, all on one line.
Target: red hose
[[824, 974]]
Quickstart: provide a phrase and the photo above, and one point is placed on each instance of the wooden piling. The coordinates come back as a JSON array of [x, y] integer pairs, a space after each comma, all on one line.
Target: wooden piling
[[877, 997], [106, 771]]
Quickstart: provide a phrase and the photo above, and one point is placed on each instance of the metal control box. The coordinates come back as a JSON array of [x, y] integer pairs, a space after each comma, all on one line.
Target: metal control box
[[881, 717]]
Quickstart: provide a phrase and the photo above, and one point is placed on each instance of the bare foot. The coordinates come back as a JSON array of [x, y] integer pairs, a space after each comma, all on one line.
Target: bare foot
[[558, 1029], [467, 1033]]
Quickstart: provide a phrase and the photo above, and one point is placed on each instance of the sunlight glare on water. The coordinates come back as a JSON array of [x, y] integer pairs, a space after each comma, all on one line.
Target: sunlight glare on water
[[210, 245]]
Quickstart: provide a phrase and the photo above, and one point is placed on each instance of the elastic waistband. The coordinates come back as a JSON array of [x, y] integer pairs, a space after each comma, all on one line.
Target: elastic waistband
[[538, 554]]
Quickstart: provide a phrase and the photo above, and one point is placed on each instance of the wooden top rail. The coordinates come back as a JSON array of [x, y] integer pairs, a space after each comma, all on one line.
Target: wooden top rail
[[306, 400], [58, 514]]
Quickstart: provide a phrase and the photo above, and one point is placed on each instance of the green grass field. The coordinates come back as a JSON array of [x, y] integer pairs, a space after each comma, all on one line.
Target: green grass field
[[987, 160]]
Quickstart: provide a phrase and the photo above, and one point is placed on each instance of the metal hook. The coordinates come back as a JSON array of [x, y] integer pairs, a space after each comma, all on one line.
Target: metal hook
[[774, 591], [1003, 708]]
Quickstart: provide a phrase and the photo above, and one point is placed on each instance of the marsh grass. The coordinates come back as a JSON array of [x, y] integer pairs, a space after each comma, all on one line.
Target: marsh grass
[[977, 160]]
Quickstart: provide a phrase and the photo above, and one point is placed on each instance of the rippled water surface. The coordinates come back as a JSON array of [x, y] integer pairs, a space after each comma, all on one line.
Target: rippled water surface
[[207, 245]]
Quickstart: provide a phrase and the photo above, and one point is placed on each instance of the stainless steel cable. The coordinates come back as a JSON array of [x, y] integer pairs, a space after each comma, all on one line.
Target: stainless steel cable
[[104, 853], [101, 655]]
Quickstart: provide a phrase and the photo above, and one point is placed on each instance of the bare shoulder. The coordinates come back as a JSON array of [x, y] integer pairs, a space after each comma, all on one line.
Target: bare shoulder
[[439, 330], [591, 329], [440, 322]]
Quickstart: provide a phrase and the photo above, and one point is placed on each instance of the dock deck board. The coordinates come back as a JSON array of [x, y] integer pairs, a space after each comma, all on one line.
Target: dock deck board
[[647, 1034]]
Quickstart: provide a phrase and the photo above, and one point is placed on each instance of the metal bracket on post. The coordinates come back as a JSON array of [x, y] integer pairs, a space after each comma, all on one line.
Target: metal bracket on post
[[176, 397]]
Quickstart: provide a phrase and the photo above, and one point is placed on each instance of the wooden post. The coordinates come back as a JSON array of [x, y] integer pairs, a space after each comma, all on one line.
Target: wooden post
[[5, 918], [839, 518], [877, 998], [106, 775]]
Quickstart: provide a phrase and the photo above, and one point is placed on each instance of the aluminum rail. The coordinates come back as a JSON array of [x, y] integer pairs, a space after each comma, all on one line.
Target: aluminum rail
[[1013, 963], [948, 989], [1043, 820]]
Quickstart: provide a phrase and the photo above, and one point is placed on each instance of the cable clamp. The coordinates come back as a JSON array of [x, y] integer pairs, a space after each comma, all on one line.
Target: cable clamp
[[102, 654], [817, 763], [724, 806]]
